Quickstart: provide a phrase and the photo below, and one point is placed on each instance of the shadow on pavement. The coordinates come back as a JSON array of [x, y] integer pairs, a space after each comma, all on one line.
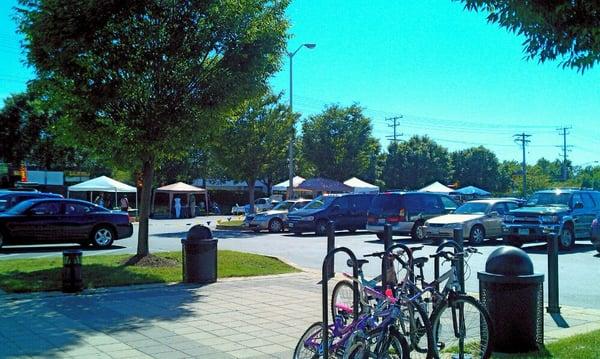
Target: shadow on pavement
[[52, 249], [51, 326], [543, 249]]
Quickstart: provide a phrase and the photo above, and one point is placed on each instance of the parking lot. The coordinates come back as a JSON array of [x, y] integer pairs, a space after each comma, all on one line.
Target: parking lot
[[578, 268]]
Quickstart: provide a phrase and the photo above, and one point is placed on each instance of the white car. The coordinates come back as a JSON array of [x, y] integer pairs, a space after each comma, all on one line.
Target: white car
[[260, 205]]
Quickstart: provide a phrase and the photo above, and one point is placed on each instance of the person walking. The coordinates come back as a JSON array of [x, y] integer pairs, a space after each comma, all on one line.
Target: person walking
[[124, 204], [177, 206], [192, 206]]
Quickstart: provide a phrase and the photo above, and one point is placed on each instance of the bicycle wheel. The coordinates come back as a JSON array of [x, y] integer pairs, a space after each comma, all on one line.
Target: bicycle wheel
[[309, 345], [394, 347], [462, 326], [343, 294], [358, 350], [415, 326]]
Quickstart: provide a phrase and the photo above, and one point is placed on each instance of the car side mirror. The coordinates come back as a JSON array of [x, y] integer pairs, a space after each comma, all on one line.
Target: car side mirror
[[493, 214], [293, 209], [578, 205]]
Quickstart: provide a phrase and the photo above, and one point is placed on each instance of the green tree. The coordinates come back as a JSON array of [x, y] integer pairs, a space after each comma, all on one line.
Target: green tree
[[563, 29], [338, 142], [415, 163], [476, 166], [137, 80], [254, 139]]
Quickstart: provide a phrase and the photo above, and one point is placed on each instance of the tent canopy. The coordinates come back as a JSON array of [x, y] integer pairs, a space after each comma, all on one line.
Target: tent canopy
[[472, 190], [180, 187], [437, 188], [283, 186], [102, 184], [361, 186], [324, 185]]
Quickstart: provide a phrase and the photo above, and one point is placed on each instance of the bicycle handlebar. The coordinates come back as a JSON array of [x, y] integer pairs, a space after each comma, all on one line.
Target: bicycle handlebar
[[448, 255]]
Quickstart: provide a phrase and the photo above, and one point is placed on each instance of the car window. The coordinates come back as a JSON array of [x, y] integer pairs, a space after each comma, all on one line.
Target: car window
[[587, 200], [414, 203], [576, 199], [448, 203], [596, 197], [511, 206], [500, 208], [46, 208], [342, 202], [432, 204], [77, 209]]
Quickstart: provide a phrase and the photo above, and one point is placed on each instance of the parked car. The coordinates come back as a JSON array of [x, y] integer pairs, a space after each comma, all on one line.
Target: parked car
[[274, 220], [260, 205], [9, 199], [479, 219], [566, 213], [348, 211], [58, 220], [407, 212], [595, 233]]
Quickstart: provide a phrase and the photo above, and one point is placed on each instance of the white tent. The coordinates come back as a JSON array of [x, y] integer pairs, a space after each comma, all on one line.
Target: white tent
[[182, 188], [361, 186], [283, 186], [437, 188], [103, 184]]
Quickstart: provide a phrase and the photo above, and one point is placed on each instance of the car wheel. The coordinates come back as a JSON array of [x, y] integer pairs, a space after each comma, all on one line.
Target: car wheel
[[512, 241], [418, 233], [275, 225], [566, 240], [597, 245], [477, 235], [321, 229], [102, 237], [352, 230], [2, 238]]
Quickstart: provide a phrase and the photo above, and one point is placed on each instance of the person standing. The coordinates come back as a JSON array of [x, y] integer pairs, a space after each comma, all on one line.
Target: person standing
[[192, 206], [124, 204], [177, 206]]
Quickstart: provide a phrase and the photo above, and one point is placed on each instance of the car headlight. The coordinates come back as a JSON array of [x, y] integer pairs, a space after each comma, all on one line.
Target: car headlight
[[549, 219], [509, 218]]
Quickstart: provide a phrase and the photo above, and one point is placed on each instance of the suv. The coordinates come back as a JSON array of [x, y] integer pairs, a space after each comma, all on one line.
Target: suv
[[9, 199], [567, 213], [407, 212], [348, 211]]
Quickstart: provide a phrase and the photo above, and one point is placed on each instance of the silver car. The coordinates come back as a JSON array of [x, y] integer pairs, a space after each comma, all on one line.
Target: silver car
[[478, 219], [274, 220]]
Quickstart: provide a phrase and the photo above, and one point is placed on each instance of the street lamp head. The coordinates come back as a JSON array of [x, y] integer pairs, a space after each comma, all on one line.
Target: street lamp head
[[310, 46]]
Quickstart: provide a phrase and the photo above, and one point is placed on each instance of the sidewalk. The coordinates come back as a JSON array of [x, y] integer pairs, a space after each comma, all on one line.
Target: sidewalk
[[235, 318]]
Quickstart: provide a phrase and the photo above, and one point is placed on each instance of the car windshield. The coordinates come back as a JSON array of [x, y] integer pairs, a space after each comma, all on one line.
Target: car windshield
[[319, 202], [549, 199], [472, 208], [282, 206], [19, 208]]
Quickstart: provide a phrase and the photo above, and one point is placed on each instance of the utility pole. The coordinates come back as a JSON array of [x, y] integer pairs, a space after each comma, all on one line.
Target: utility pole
[[394, 124], [523, 139], [563, 132]]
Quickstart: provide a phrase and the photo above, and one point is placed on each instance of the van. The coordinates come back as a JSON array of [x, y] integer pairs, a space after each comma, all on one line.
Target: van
[[348, 211], [407, 212]]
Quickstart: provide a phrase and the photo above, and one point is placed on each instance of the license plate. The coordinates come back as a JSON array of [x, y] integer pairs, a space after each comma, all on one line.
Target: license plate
[[523, 231], [290, 225], [381, 221]]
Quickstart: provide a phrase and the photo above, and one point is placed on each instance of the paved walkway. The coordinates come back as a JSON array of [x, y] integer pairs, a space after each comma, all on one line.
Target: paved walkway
[[238, 318]]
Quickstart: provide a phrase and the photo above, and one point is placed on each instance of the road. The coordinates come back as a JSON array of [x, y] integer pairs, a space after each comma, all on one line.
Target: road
[[578, 269]]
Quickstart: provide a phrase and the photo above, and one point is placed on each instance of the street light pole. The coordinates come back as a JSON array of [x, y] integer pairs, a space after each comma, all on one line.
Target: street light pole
[[290, 191]]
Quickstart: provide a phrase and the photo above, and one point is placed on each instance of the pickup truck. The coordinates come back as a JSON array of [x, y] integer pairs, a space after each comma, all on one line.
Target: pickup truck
[[563, 213]]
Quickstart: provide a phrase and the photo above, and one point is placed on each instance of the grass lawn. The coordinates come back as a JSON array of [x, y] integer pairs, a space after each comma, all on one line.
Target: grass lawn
[[579, 346], [34, 275]]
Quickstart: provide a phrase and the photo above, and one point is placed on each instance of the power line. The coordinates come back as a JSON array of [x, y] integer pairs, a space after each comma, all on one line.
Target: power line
[[523, 139], [563, 132], [394, 125]]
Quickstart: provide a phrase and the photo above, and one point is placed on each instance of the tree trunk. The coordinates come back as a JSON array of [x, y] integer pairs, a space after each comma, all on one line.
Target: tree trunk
[[147, 177], [251, 183]]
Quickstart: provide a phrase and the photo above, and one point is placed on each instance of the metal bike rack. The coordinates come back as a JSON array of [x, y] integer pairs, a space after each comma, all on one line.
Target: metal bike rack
[[436, 266], [384, 263], [325, 297]]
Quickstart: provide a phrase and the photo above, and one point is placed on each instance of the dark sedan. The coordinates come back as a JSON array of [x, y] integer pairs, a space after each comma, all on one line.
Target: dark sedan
[[54, 220]]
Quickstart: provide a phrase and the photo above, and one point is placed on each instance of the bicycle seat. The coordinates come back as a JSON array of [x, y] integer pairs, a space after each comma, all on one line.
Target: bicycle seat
[[359, 262], [420, 262]]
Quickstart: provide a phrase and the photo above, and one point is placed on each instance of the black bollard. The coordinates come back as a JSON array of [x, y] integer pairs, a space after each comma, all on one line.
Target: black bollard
[[330, 247], [553, 306], [458, 238], [72, 277], [385, 264]]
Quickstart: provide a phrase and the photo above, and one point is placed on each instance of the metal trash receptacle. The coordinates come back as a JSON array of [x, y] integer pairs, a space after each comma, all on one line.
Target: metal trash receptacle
[[72, 276], [199, 256], [514, 297]]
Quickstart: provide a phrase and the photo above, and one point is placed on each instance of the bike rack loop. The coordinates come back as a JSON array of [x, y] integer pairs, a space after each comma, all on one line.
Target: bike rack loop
[[325, 297], [436, 261], [408, 252]]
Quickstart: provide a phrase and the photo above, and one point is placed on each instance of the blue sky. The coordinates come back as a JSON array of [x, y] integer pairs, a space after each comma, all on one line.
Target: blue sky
[[451, 75]]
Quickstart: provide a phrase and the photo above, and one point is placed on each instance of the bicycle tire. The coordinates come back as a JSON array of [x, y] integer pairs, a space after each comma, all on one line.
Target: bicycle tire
[[394, 347], [302, 351], [477, 327], [415, 326], [358, 350], [343, 293]]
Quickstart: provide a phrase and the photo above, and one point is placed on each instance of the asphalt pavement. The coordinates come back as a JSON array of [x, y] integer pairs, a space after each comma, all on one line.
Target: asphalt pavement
[[578, 269]]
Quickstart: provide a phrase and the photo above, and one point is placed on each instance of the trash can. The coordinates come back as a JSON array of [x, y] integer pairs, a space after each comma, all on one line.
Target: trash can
[[72, 278], [514, 298], [199, 256]]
